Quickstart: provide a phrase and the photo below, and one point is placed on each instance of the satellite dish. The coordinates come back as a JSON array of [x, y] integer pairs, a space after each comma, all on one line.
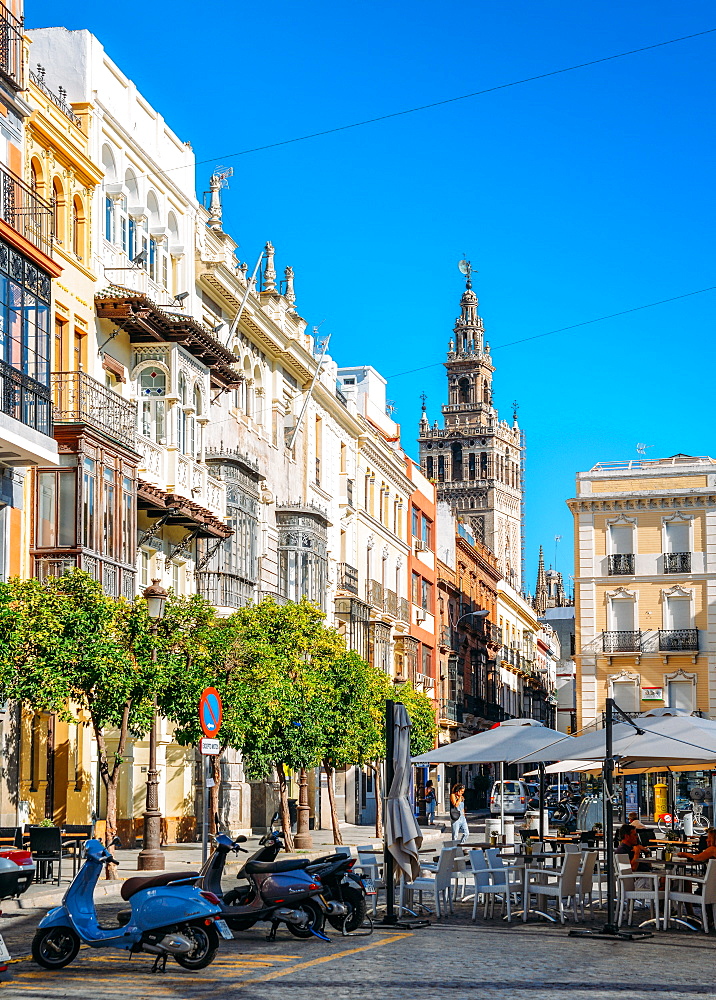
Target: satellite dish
[[464, 267]]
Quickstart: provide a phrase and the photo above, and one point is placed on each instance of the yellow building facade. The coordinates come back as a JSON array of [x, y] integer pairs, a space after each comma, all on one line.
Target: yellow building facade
[[645, 585], [55, 759]]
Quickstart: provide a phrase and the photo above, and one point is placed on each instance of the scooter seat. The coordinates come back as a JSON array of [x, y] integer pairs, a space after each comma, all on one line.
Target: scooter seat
[[139, 882], [266, 867]]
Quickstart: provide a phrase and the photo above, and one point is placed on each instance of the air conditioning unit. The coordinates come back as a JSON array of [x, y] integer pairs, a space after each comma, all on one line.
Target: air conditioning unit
[[419, 545]]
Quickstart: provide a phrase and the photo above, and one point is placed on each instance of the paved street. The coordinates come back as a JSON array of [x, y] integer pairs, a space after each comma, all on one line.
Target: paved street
[[452, 958]]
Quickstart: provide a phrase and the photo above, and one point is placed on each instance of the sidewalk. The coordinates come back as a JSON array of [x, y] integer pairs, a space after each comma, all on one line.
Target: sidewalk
[[180, 857]]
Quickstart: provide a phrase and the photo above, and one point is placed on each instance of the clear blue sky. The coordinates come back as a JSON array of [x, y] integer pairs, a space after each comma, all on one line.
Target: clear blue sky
[[576, 196]]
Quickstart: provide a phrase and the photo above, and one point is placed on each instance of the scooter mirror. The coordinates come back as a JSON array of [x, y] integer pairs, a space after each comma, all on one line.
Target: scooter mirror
[[241, 839], [116, 842]]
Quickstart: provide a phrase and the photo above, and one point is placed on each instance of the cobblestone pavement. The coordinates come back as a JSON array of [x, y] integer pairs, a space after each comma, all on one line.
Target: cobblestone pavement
[[449, 959]]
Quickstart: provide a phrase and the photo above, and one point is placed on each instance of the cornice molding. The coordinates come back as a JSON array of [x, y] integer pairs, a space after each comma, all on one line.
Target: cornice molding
[[699, 501]]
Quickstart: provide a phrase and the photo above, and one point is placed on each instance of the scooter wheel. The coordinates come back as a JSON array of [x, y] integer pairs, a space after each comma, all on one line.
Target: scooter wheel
[[55, 947], [357, 910], [206, 945], [316, 921]]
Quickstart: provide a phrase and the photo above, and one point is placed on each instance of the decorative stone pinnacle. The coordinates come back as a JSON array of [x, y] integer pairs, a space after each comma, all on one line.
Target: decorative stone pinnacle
[[289, 294], [269, 282]]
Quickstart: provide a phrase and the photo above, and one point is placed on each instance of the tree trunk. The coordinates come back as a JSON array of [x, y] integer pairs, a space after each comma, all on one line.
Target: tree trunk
[[337, 838], [378, 801], [214, 794], [283, 808], [110, 780]]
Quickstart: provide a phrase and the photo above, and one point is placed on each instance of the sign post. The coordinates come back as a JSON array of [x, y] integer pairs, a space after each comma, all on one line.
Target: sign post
[[210, 716]]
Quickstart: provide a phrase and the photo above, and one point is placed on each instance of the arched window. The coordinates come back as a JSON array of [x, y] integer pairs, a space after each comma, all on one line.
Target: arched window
[[457, 461], [58, 193], [152, 390], [463, 390]]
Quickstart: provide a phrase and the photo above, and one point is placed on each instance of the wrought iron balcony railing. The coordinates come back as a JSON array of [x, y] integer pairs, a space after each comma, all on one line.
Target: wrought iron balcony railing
[[403, 610], [621, 564], [224, 590], [11, 46], [347, 578], [81, 399], [391, 603], [25, 399], [451, 711], [374, 593], [678, 639], [621, 642], [677, 562], [23, 209]]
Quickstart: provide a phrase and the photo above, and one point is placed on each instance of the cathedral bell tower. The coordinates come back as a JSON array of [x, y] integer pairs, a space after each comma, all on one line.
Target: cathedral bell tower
[[475, 459]]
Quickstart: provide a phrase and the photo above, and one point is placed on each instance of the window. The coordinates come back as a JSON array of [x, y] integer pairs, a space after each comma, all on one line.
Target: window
[[24, 320], [89, 504], [121, 224], [303, 557], [429, 467], [109, 513], [128, 521], [681, 694], [678, 536], [471, 465], [108, 219], [426, 664], [144, 568], [56, 509], [457, 462], [415, 588], [426, 595], [626, 694], [622, 539], [152, 388], [415, 522], [622, 615], [427, 532], [678, 613], [441, 468]]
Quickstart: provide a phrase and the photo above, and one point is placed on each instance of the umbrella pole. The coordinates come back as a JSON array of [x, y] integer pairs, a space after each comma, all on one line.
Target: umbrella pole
[[502, 800], [388, 870], [608, 771], [541, 804]]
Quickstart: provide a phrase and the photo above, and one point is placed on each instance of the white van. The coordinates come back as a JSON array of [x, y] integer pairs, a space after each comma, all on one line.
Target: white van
[[516, 798]]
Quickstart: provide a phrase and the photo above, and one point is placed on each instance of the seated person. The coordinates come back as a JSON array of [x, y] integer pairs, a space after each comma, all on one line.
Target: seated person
[[628, 846], [633, 820], [708, 853]]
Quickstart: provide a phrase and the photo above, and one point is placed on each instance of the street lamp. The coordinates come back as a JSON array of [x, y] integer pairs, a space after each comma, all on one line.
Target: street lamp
[[151, 857], [471, 614]]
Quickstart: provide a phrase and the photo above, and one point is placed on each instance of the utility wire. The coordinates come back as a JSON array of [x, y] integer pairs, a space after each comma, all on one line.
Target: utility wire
[[574, 326], [462, 97]]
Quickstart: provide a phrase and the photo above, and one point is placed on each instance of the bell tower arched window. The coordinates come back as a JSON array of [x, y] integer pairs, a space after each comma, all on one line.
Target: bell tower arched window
[[463, 390], [457, 461]]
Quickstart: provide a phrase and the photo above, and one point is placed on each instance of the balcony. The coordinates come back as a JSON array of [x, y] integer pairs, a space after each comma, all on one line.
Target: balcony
[[451, 711], [621, 642], [80, 399], [181, 474], [677, 562], [391, 603], [25, 399], [374, 594], [347, 578], [679, 639], [11, 46], [403, 610], [25, 211], [448, 638], [621, 564], [224, 590], [116, 580]]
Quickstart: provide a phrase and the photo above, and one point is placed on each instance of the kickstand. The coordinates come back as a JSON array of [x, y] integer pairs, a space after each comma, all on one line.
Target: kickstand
[[157, 960], [271, 936]]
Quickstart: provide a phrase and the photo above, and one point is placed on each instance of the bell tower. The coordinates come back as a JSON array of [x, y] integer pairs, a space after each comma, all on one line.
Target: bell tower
[[475, 459]]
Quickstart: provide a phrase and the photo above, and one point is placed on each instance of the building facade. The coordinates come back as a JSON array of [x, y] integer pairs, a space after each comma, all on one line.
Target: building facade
[[476, 459], [645, 585]]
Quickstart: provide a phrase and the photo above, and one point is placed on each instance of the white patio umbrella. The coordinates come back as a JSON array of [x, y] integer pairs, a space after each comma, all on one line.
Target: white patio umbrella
[[513, 738], [402, 833]]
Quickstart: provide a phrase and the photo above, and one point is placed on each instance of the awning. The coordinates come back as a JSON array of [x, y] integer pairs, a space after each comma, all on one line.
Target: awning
[[177, 510], [146, 322]]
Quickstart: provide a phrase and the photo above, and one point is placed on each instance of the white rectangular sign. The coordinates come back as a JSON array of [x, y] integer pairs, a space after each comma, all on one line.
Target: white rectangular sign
[[209, 747], [652, 694]]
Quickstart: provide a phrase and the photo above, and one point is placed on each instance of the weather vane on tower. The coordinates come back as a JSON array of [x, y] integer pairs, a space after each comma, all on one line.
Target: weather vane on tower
[[465, 267]]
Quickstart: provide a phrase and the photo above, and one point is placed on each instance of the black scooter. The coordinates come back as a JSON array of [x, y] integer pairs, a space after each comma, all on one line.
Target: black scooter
[[277, 891]]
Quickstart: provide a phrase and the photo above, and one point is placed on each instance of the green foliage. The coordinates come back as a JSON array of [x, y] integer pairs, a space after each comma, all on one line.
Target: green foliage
[[422, 717]]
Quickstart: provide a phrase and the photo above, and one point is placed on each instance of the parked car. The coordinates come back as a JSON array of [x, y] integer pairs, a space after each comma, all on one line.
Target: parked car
[[516, 797]]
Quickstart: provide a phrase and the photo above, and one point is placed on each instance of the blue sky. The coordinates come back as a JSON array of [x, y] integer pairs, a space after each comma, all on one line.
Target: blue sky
[[577, 196]]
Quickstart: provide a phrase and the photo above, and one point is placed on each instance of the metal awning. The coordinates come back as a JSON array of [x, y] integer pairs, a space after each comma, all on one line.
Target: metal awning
[[175, 510]]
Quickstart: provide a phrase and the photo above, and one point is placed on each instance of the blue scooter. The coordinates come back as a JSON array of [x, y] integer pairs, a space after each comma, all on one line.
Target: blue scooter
[[168, 916]]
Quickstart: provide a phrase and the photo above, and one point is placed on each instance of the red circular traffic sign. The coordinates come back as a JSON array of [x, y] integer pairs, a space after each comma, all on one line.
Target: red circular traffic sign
[[210, 711]]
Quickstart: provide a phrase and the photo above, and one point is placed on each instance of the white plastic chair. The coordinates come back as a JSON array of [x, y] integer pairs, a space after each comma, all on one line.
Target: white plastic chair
[[629, 893], [372, 867], [585, 878], [490, 883], [515, 873], [439, 884], [558, 884], [707, 896]]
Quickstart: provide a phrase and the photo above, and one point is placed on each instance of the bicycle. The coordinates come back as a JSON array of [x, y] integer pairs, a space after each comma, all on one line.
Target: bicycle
[[699, 825]]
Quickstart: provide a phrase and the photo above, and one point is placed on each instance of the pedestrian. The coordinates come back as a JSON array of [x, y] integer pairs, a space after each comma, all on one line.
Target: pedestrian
[[460, 829], [430, 803]]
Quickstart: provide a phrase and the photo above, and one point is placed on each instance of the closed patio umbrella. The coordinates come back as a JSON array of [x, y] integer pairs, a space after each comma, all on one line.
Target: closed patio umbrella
[[402, 833]]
